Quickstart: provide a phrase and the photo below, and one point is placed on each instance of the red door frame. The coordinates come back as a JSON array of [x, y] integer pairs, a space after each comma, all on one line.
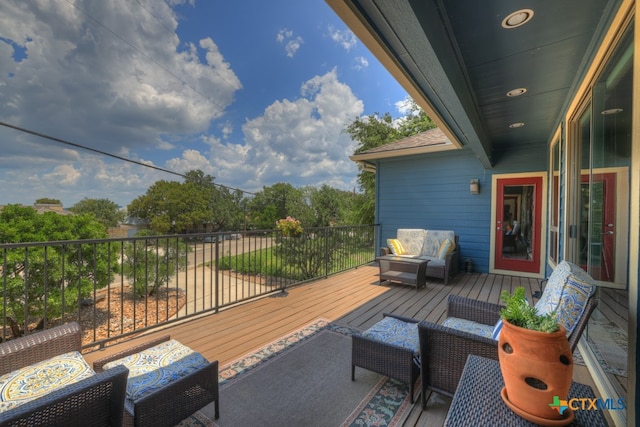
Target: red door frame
[[532, 264]]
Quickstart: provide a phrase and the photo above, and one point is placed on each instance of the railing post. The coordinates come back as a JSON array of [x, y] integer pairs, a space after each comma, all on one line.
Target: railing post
[[217, 276]]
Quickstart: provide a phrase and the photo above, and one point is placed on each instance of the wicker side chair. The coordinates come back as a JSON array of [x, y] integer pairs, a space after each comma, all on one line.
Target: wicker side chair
[[94, 401], [174, 402], [444, 350]]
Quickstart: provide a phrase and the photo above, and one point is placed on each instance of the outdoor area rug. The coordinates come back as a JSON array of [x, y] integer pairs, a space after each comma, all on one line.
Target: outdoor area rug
[[305, 379], [197, 420]]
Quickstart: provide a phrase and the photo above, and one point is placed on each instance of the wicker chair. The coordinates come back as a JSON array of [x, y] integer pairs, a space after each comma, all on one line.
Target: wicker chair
[[444, 351], [95, 401], [173, 403]]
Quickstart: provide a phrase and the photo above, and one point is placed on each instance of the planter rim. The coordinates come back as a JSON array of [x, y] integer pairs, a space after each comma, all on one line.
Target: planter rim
[[561, 329]]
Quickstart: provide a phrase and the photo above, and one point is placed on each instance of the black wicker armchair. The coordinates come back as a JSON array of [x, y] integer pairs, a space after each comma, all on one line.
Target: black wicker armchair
[[94, 401], [444, 351]]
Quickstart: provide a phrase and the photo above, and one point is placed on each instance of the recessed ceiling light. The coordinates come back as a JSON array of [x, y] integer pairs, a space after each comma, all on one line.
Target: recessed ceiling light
[[611, 111], [516, 125], [517, 18], [516, 92]]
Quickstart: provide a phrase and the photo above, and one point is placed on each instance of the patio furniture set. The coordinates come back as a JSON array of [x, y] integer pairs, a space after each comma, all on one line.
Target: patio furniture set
[[416, 254], [44, 380], [406, 349]]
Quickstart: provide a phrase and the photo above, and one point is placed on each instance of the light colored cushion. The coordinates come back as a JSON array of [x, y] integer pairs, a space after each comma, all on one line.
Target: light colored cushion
[[395, 246], [42, 378], [412, 239], [396, 332], [155, 367], [567, 291], [433, 239], [446, 247], [469, 326]]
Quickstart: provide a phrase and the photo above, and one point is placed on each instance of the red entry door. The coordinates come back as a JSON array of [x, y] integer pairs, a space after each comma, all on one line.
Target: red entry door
[[518, 225]]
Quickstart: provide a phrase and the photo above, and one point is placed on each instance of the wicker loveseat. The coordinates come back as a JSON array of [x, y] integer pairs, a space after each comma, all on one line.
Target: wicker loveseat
[[428, 244], [97, 400]]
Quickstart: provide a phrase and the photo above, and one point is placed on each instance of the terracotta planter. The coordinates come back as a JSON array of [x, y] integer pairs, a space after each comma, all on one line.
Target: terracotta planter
[[536, 366]]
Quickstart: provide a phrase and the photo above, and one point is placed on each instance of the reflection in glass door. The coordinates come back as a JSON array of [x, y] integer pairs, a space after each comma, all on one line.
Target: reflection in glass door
[[518, 224], [604, 145], [598, 225]]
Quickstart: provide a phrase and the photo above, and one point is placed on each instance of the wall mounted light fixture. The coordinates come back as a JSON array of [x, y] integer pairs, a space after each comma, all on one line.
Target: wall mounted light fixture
[[474, 186]]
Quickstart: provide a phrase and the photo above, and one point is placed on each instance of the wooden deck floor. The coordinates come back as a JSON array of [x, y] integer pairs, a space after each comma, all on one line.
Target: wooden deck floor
[[354, 298]]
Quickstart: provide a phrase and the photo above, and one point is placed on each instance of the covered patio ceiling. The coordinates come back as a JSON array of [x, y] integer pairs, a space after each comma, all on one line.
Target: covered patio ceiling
[[489, 81]]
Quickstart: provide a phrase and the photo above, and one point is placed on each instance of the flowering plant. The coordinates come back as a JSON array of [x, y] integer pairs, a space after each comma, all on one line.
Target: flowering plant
[[289, 226]]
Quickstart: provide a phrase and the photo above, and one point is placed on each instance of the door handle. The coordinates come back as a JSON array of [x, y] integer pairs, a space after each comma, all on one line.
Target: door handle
[[607, 233]]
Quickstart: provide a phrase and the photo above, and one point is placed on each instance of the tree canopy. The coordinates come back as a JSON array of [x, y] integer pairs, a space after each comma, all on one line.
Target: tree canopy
[[374, 131], [175, 207], [58, 275], [105, 211]]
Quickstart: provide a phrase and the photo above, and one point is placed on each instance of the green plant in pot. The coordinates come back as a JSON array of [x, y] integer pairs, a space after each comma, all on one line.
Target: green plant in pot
[[535, 359]]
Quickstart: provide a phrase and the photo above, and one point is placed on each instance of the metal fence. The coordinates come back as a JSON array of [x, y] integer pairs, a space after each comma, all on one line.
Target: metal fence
[[119, 287]]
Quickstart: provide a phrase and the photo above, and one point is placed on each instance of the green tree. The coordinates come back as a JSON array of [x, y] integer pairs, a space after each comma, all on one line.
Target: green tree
[[104, 210], [328, 206], [175, 207], [276, 202], [150, 264], [56, 277], [373, 131]]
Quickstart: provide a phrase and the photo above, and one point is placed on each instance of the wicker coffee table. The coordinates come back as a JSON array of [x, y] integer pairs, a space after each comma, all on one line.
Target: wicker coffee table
[[411, 271], [477, 399]]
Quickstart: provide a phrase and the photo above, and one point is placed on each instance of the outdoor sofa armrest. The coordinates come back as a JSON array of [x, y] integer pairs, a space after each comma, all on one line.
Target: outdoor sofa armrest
[[471, 309], [443, 354], [38, 346], [385, 251], [94, 401]]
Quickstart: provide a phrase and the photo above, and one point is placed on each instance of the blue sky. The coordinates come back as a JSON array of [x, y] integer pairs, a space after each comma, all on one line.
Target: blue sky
[[250, 92]]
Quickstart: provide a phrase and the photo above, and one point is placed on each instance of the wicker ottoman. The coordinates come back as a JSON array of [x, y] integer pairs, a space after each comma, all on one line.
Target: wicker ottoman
[[390, 348], [167, 382]]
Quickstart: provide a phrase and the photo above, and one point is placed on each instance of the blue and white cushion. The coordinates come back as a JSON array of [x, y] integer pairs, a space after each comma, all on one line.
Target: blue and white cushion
[[155, 367], [469, 326], [567, 291], [433, 241], [412, 240], [395, 332], [40, 379]]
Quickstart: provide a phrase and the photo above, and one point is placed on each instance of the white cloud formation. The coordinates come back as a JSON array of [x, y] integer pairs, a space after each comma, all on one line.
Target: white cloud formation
[[111, 75], [127, 76], [345, 38], [135, 89], [360, 63], [297, 140], [291, 43]]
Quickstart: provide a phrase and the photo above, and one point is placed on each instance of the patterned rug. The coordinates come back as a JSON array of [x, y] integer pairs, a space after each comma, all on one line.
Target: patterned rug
[[383, 401], [197, 420]]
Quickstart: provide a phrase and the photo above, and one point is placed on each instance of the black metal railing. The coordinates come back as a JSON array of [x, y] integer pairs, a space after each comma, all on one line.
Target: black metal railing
[[123, 286]]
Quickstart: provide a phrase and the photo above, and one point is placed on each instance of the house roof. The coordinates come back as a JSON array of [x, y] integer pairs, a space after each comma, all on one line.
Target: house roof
[[459, 62], [424, 142]]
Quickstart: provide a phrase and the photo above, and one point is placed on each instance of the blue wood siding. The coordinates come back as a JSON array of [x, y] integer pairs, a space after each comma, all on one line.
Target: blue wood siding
[[432, 191]]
